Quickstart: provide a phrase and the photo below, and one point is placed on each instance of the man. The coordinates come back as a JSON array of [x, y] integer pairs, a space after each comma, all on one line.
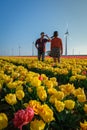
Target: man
[[41, 45]]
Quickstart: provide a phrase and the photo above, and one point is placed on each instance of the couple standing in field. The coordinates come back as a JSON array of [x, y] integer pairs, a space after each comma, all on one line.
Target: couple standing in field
[[56, 47]]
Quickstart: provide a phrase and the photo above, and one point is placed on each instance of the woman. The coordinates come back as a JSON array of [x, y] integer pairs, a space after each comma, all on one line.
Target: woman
[[56, 47]]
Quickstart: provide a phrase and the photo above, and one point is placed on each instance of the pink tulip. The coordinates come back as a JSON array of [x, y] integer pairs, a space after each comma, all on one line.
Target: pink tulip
[[23, 117]]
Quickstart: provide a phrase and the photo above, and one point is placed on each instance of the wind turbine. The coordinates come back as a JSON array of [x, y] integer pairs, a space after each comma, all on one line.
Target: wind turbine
[[19, 49], [66, 34], [33, 49]]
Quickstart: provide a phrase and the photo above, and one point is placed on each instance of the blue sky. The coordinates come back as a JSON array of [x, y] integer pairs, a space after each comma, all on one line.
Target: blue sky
[[22, 21]]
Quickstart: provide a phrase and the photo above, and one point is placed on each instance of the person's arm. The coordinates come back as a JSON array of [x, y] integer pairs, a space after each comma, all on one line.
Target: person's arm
[[48, 37]]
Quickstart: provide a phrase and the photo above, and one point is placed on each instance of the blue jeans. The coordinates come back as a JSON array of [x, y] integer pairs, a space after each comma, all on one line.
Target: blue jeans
[[41, 54]]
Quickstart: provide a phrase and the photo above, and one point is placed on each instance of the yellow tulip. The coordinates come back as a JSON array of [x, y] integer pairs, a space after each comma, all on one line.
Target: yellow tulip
[[3, 121], [69, 104], [81, 98], [83, 125], [37, 125], [59, 105], [11, 99], [20, 94], [41, 92], [46, 113], [35, 105], [85, 108]]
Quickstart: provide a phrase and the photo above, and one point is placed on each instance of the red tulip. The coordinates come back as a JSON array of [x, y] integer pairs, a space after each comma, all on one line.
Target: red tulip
[[40, 78], [84, 72]]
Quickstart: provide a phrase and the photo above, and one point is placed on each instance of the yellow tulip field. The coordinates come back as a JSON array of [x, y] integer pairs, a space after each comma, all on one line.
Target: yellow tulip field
[[36, 95]]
